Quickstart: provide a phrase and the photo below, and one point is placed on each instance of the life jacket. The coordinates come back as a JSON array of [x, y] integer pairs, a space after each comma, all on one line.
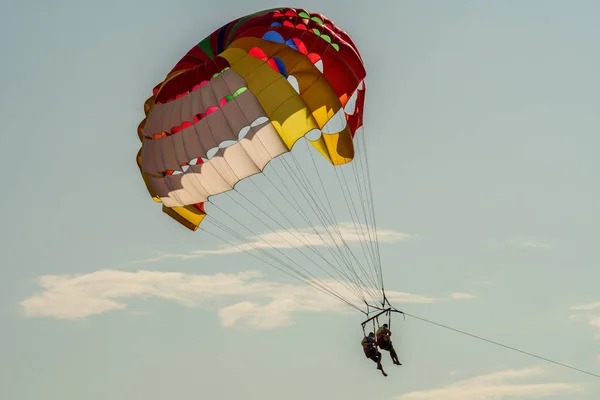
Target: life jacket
[[370, 351], [383, 340], [369, 348]]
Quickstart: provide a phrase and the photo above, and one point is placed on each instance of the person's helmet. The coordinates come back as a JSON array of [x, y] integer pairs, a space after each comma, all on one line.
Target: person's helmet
[[385, 325], [371, 334]]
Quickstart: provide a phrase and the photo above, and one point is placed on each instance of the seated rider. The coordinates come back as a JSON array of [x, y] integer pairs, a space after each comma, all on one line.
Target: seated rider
[[371, 352], [385, 343]]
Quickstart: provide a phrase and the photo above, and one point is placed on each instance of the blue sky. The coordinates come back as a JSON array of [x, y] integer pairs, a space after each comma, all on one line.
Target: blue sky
[[483, 125]]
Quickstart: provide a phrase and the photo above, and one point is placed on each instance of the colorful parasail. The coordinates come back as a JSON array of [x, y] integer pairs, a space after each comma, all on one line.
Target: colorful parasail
[[244, 96]]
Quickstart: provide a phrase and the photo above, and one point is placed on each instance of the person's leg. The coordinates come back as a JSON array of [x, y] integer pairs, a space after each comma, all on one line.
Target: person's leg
[[377, 361], [379, 366], [373, 357], [387, 346], [394, 355]]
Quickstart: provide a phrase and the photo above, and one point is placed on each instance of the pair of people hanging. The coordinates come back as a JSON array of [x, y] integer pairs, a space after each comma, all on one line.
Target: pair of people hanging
[[381, 339]]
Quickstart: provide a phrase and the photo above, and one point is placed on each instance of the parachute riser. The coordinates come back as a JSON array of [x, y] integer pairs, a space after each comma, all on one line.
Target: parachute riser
[[382, 311], [376, 315]]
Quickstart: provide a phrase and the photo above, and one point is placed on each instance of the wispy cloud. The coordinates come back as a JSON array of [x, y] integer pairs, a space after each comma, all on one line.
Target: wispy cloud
[[287, 239], [261, 304], [462, 296], [590, 313], [534, 244], [482, 282], [587, 307], [497, 386]]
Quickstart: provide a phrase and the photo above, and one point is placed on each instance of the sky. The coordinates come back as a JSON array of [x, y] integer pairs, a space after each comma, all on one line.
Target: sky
[[482, 122]]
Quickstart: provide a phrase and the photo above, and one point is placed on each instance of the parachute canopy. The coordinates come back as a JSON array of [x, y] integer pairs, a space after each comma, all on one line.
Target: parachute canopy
[[243, 96], [227, 116]]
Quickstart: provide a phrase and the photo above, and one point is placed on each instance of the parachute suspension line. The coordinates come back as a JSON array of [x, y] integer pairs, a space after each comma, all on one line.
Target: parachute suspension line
[[336, 225], [296, 207], [360, 233], [356, 227], [306, 276], [253, 245], [257, 236], [311, 200], [331, 223], [360, 187], [370, 240], [344, 189], [320, 213], [327, 220], [299, 173], [349, 263], [358, 292], [305, 243], [368, 196], [367, 171], [341, 187], [328, 223], [370, 277], [365, 187]]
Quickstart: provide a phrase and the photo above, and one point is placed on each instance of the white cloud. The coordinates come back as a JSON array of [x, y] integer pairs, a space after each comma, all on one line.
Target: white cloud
[[595, 322], [462, 296], [287, 239], [484, 282], [589, 313], [497, 386], [263, 305], [587, 307], [535, 244]]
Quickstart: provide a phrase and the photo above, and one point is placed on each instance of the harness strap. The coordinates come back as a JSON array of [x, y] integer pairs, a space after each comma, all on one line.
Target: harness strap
[[375, 330]]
